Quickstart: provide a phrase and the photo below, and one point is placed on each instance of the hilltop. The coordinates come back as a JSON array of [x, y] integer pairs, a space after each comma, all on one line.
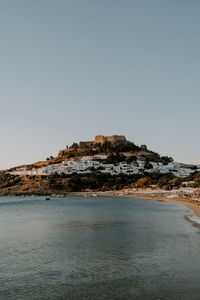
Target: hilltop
[[107, 162]]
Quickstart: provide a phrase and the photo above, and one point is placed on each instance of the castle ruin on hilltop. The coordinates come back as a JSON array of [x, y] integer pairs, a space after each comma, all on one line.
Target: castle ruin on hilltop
[[101, 139], [112, 138], [98, 140]]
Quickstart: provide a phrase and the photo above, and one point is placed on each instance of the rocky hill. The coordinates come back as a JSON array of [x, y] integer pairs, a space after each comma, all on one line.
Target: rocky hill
[[106, 163]]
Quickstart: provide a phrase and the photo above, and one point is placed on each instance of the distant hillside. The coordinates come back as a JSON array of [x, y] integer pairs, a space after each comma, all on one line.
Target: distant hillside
[[106, 163]]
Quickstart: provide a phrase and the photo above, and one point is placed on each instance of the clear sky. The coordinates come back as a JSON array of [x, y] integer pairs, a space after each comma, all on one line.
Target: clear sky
[[72, 69]]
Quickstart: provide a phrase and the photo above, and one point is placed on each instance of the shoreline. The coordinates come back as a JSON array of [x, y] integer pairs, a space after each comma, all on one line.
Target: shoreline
[[195, 208]]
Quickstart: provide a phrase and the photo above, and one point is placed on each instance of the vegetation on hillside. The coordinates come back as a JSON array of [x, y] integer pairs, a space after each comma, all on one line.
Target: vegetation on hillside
[[96, 181]]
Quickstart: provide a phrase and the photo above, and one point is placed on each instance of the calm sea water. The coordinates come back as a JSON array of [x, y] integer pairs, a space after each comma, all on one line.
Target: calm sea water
[[97, 248]]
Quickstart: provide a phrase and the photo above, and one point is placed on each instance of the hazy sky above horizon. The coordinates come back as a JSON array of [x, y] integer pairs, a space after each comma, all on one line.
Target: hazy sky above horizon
[[72, 69]]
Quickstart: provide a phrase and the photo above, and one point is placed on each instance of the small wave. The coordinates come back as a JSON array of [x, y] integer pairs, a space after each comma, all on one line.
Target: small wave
[[194, 219]]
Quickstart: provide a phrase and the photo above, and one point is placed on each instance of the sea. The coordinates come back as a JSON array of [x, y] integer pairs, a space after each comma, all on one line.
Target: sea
[[96, 248]]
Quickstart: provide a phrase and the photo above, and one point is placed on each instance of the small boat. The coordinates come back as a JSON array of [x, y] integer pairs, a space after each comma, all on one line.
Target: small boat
[[46, 198]]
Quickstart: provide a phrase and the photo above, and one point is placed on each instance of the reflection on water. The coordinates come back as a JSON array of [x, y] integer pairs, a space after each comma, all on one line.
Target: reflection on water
[[94, 226], [97, 248]]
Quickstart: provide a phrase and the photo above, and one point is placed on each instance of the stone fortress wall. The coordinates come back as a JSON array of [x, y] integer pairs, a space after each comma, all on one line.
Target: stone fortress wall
[[113, 138], [99, 139]]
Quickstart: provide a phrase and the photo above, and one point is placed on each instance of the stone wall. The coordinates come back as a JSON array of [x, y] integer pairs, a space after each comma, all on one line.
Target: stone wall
[[113, 138], [99, 139]]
